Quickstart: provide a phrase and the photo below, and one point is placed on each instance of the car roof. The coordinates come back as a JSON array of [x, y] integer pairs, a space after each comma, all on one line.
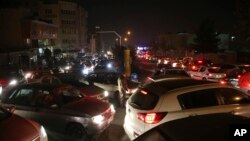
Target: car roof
[[203, 127], [164, 85]]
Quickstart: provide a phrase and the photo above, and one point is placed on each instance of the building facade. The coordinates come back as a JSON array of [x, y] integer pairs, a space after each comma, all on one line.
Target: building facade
[[71, 18]]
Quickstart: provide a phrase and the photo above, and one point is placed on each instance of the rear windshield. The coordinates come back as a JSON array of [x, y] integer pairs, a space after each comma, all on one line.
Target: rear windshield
[[144, 100]]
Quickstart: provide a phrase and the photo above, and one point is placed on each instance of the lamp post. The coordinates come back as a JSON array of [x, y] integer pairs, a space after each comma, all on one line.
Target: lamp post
[[119, 36]]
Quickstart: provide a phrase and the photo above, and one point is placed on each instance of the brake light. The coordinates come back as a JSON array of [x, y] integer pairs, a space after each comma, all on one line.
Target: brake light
[[223, 82], [200, 61], [209, 74], [193, 67], [151, 118]]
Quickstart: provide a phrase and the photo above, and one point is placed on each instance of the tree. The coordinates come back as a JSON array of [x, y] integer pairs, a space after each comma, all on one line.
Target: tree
[[206, 40]]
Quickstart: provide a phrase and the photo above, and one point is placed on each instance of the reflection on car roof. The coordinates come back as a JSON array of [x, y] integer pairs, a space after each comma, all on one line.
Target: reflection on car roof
[[169, 84]]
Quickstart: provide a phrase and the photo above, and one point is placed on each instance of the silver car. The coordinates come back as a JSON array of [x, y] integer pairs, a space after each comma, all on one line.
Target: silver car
[[61, 109]]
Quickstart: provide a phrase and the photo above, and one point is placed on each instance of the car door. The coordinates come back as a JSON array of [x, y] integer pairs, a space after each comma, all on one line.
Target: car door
[[48, 112]]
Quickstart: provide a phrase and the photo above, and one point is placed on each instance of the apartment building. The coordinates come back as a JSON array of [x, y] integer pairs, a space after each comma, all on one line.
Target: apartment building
[[71, 18]]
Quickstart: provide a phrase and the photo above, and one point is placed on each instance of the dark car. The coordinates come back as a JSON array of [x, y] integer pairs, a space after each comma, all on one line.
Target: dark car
[[10, 76], [210, 127], [61, 109], [16, 128]]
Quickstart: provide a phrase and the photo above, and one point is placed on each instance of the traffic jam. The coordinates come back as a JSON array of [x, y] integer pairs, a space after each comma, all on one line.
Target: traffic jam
[[79, 100]]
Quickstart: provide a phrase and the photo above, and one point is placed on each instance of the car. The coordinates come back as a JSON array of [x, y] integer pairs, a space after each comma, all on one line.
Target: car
[[208, 73], [16, 128], [209, 127], [10, 76], [227, 68], [167, 99], [45, 79], [126, 86], [172, 71], [86, 88], [232, 78], [106, 80], [61, 109]]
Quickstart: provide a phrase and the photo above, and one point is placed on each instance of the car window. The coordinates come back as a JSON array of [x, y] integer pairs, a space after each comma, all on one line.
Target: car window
[[144, 100], [43, 98], [232, 96], [21, 96], [202, 69], [198, 99]]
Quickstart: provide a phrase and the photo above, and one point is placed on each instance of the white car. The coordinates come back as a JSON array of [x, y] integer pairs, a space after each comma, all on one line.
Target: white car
[[173, 98], [208, 73]]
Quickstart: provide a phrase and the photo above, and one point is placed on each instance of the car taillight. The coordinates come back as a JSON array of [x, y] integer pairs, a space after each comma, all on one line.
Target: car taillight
[[223, 82], [151, 118], [209, 74], [193, 67], [239, 76]]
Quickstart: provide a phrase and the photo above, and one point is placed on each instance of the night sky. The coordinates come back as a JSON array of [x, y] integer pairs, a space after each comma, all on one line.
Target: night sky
[[147, 19]]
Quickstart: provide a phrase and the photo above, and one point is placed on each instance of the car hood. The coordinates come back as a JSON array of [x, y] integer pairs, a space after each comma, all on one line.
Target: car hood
[[16, 128], [87, 105], [92, 90]]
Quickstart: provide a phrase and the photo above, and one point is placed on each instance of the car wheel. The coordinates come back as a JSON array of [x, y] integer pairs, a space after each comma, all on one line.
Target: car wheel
[[77, 131], [204, 78]]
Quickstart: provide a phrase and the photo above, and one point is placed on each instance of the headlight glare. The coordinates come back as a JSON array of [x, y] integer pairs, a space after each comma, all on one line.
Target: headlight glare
[[98, 119], [106, 93], [13, 82]]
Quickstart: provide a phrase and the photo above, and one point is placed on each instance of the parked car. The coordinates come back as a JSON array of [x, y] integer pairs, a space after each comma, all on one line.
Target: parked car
[[208, 73], [168, 99], [16, 128], [61, 109], [210, 127]]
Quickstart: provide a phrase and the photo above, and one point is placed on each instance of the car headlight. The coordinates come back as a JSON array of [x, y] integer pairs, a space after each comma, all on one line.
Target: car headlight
[[109, 65], [85, 71], [28, 75], [13, 82], [98, 119], [43, 134], [67, 67], [106, 93]]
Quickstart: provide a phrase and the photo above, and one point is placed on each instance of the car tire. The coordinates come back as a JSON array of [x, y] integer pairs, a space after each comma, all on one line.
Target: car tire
[[204, 78], [77, 131]]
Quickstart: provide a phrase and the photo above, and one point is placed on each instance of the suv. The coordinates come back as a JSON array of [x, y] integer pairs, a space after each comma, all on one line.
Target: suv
[[167, 99]]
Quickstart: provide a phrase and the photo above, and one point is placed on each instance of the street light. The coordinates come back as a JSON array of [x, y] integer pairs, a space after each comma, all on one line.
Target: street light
[[128, 32], [120, 38]]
